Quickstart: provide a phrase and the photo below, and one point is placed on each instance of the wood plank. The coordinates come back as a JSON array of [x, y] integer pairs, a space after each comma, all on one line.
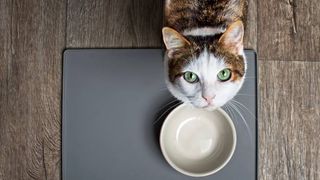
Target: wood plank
[[289, 120], [250, 37], [33, 37], [114, 23], [5, 52], [289, 30]]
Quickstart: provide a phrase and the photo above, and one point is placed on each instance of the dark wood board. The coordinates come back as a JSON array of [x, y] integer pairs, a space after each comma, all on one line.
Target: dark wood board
[[289, 110], [33, 34], [114, 23], [251, 29], [289, 30], [5, 58]]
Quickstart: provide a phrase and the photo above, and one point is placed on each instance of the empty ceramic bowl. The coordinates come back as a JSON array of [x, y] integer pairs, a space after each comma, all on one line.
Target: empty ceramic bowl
[[197, 142]]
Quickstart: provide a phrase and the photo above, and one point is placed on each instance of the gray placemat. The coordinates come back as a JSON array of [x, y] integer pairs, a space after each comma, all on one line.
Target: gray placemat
[[113, 100]]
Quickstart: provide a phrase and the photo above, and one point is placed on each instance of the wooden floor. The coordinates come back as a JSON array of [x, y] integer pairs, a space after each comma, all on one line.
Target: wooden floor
[[33, 35]]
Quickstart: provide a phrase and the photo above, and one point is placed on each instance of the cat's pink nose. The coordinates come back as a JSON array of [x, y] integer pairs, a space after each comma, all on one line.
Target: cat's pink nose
[[208, 99]]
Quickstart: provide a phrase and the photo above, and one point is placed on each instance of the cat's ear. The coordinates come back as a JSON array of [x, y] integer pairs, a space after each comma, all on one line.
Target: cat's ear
[[173, 40], [232, 39]]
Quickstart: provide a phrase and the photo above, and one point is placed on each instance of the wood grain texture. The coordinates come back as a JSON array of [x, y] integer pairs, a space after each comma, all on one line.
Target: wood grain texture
[[250, 36], [289, 120], [5, 58], [114, 23], [289, 30], [33, 40]]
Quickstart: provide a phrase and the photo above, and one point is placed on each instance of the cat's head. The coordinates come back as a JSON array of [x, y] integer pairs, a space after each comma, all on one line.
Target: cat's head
[[206, 71]]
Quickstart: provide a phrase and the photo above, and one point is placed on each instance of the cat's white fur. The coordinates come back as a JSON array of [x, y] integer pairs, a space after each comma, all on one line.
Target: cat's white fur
[[207, 66], [204, 31]]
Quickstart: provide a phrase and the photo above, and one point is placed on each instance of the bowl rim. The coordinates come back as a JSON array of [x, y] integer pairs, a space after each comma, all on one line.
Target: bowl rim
[[177, 168]]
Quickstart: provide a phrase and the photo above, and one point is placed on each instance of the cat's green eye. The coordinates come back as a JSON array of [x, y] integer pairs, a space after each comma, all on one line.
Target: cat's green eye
[[190, 77], [224, 75]]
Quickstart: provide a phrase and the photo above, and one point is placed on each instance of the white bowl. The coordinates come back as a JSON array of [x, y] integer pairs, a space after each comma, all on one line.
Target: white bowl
[[197, 142]]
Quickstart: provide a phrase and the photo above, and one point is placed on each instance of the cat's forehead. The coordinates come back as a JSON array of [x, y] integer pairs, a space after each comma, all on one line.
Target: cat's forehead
[[206, 65], [202, 43]]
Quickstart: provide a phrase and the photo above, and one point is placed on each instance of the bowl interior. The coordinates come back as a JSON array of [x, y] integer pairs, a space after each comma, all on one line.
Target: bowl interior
[[197, 142]]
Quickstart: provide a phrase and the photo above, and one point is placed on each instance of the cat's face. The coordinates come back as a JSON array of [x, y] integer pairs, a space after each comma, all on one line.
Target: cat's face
[[205, 71]]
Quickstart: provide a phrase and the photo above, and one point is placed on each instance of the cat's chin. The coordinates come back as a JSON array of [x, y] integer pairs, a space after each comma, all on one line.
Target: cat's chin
[[210, 108], [206, 107]]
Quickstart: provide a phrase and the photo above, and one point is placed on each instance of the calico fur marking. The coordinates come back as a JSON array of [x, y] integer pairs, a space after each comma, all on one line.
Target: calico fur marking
[[184, 14], [205, 38]]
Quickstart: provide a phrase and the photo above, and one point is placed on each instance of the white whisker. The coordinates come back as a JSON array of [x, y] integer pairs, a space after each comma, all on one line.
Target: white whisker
[[169, 103], [231, 113], [243, 119], [169, 108], [241, 106]]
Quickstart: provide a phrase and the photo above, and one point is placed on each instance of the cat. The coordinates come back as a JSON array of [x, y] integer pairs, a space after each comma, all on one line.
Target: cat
[[205, 63]]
